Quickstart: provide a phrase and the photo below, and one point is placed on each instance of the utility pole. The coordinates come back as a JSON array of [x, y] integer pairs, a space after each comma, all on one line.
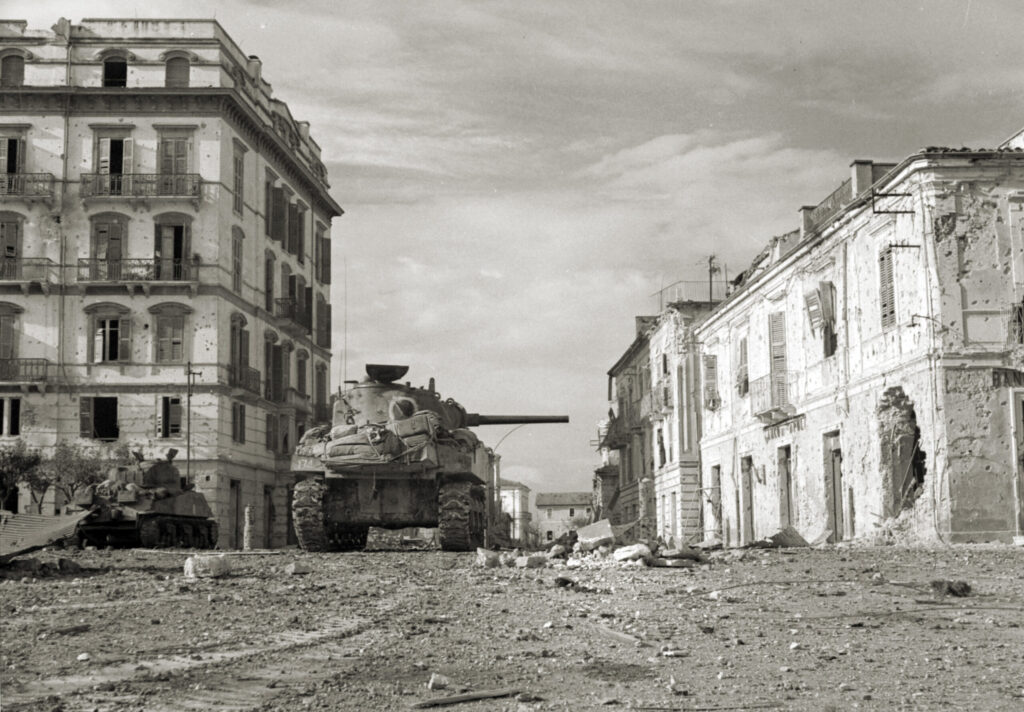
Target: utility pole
[[713, 269], [190, 376]]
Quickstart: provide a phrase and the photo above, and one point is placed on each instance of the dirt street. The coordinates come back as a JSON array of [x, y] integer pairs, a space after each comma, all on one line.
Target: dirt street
[[787, 629]]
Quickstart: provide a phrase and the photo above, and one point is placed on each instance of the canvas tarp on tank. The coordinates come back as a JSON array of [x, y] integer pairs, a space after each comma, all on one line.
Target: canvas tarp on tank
[[20, 533]]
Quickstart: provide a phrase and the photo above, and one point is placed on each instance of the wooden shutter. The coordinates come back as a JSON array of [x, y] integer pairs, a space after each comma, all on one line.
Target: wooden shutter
[[327, 325], [163, 339], [243, 348], [124, 339], [174, 416], [300, 235], [161, 410], [828, 308], [85, 417], [280, 215], [127, 156], [268, 208], [887, 288], [812, 301], [177, 72], [318, 241], [103, 157], [327, 261], [8, 340], [4, 154], [777, 343], [710, 381], [177, 340], [293, 228], [241, 423], [99, 330]]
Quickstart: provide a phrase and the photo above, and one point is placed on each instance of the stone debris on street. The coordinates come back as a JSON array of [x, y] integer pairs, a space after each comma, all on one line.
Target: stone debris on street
[[776, 628]]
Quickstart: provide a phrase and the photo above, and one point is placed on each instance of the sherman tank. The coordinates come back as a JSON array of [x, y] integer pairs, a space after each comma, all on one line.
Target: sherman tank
[[395, 456], [146, 504]]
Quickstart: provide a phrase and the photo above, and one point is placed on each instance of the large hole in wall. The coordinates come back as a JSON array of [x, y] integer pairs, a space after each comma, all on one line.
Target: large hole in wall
[[902, 462]]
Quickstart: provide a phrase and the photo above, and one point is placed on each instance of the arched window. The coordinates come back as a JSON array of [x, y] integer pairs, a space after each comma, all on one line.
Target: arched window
[[170, 332], [302, 371], [12, 71], [111, 333], [177, 71], [10, 245], [115, 71]]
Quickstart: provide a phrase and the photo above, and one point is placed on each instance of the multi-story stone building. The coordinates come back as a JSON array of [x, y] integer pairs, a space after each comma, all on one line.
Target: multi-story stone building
[[868, 375], [515, 502], [166, 256], [559, 512]]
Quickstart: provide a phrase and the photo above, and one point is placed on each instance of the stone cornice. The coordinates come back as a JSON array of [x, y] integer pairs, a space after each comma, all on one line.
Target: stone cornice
[[191, 101]]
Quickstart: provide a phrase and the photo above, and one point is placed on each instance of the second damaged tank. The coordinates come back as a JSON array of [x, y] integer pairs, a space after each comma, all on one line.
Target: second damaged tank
[[395, 456]]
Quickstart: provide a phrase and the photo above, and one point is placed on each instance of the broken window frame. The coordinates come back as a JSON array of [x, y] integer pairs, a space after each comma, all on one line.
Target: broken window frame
[[87, 419], [169, 417]]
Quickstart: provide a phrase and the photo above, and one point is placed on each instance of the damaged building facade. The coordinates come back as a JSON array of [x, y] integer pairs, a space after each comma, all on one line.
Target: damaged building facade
[[166, 257], [866, 379]]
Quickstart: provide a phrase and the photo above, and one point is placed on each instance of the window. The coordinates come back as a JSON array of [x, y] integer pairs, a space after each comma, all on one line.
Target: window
[[238, 422], [320, 397], [239, 179], [98, 418], [12, 160], [111, 333], [115, 157], [777, 350], [12, 71], [572, 512], [170, 319], [236, 260], [550, 535], [301, 369], [887, 288], [168, 418], [115, 72], [268, 206], [271, 434], [268, 282], [278, 215], [1017, 324], [549, 513], [285, 429], [322, 256], [292, 245], [172, 247], [10, 245], [10, 416], [820, 305], [174, 160], [109, 234], [300, 234], [742, 377], [177, 72], [711, 399]]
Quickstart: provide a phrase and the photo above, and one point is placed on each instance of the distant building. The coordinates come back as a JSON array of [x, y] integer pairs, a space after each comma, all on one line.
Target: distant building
[[165, 227], [557, 510], [867, 378], [515, 501]]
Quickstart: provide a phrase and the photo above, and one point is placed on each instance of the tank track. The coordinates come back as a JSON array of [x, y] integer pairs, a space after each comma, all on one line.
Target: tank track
[[460, 512], [308, 515], [161, 532]]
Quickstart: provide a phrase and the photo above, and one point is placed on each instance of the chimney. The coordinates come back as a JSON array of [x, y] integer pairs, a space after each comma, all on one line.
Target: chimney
[[806, 226], [255, 67], [860, 176]]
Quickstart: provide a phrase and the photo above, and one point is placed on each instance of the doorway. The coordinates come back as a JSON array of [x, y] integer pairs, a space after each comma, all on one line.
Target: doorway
[[784, 460], [833, 486], [237, 515], [747, 496]]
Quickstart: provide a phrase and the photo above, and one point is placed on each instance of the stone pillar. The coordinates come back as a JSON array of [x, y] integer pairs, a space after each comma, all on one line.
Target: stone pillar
[[248, 530], [646, 524]]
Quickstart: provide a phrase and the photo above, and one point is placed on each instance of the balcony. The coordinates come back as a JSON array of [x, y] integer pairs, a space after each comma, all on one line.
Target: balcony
[[26, 371], [301, 402], [141, 185], [142, 272], [244, 378], [26, 271], [26, 186], [770, 396], [297, 320], [273, 391]]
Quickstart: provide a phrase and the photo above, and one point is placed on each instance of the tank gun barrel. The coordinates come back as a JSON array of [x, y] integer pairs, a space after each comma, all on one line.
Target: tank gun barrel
[[474, 419]]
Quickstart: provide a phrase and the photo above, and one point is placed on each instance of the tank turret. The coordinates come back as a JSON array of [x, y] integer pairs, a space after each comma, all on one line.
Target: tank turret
[[396, 456]]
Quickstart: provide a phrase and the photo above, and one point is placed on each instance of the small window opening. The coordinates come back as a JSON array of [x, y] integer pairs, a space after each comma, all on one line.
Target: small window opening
[[115, 72]]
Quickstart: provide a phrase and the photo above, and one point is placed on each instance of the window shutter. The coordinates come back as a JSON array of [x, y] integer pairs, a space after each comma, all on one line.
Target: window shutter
[[19, 158], [300, 235], [174, 416], [177, 72], [177, 338], [96, 350], [327, 325], [124, 340], [103, 157], [293, 228], [161, 409], [812, 300], [8, 342], [241, 423], [777, 338], [128, 156], [163, 339], [318, 242], [327, 261], [15, 420], [268, 208], [710, 381], [280, 215], [828, 308], [4, 144], [85, 417], [243, 348], [887, 288]]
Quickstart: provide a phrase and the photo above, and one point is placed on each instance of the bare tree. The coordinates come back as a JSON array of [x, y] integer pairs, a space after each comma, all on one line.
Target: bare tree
[[17, 463], [70, 468]]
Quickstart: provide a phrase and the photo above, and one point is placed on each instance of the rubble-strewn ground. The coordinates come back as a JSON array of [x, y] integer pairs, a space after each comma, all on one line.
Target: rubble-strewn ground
[[787, 629]]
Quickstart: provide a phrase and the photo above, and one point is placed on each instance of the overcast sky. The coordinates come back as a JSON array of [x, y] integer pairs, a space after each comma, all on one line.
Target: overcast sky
[[519, 177]]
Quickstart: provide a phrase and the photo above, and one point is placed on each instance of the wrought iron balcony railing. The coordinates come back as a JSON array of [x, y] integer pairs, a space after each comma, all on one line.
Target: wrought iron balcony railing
[[300, 401], [30, 269], [32, 185], [140, 185], [771, 394], [244, 377], [23, 370], [135, 270]]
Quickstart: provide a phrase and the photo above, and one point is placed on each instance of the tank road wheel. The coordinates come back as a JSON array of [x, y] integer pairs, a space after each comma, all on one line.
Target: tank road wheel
[[477, 515], [183, 534], [149, 533], [348, 538], [308, 515], [454, 509]]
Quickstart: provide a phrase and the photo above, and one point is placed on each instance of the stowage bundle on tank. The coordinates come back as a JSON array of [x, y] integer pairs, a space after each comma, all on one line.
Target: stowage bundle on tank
[[146, 505], [395, 456]]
